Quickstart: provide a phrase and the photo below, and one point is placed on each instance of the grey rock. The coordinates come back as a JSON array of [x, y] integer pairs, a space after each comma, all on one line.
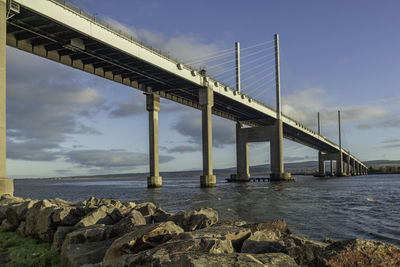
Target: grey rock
[[234, 259], [359, 252], [237, 235], [68, 215], [142, 238], [127, 224], [197, 219], [102, 215], [21, 229], [38, 221], [74, 255], [59, 237], [146, 208]]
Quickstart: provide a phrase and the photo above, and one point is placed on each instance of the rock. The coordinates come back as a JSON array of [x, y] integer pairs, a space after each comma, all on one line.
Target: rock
[[302, 250], [8, 226], [234, 259], [8, 199], [231, 223], [59, 237], [197, 219], [275, 229], [94, 203], [127, 224], [102, 215], [359, 252], [68, 215], [235, 234], [91, 233], [142, 238], [21, 229], [5, 200], [74, 255], [16, 212], [61, 202], [163, 254], [38, 220], [146, 208], [196, 259], [160, 215]]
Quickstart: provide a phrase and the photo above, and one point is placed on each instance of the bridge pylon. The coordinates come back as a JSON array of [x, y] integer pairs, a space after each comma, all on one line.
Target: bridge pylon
[[6, 184]]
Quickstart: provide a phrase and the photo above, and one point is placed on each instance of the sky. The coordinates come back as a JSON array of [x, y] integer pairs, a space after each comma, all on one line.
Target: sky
[[335, 55]]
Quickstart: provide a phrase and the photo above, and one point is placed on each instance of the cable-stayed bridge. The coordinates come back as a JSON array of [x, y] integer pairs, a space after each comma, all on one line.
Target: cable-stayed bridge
[[65, 34]]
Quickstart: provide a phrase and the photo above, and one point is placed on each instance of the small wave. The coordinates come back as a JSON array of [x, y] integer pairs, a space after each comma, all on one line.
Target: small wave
[[373, 200]]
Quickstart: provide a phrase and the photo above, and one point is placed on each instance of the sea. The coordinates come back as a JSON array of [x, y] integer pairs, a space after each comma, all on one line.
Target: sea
[[317, 208]]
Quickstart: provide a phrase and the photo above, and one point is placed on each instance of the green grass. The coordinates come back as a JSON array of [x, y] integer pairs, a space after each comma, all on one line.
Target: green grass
[[25, 251]]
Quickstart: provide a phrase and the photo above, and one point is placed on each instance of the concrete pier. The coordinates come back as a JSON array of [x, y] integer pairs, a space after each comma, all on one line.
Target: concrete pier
[[153, 107], [6, 185], [339, 164], [242, 155], [276, 155], [206, 97]]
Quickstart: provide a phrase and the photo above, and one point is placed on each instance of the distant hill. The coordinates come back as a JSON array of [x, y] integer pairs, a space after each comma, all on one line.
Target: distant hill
[[305, 167]]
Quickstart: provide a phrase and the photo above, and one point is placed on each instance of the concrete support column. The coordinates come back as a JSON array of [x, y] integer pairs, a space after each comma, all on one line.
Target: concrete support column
[[339, 164], [321, 165], [276, 153], [153, 107], [206, 97], [6, 185], [348, 169], [332, 168], [353, 167], [242, 155]]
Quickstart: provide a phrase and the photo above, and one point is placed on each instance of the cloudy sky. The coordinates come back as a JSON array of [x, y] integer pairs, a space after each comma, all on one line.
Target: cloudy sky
[[336, 55]]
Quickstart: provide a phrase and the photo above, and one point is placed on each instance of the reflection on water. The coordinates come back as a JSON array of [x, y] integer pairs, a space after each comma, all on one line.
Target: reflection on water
[[362, 206]]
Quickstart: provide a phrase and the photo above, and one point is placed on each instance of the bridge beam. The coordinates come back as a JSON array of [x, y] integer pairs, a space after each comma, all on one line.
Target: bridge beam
[[153, 107], [206, 97], [6, 185]]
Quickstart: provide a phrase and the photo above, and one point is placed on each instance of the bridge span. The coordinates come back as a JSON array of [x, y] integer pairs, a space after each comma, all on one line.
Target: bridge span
[[62, 33]]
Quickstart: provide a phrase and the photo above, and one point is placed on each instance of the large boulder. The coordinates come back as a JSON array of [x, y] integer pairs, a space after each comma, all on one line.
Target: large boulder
[[39, 221], [5, 200], [235, 234], [197, 219], [142, 238], [68, 215], [16, 212], [102, 215], [198, 259], [74, 255], [304, 251], [164, 254], [234, 259], [127, 224], [94, 203], [359, 252], [275, 229], [59, 237]]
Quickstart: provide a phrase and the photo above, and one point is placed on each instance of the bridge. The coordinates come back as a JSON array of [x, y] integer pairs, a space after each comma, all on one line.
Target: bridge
[[62, 33]]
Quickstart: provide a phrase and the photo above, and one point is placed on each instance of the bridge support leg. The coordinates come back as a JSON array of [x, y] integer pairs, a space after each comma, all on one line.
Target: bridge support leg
[[348, 169], [153, 107], [242, 155], [339, 164], [332, 172], [321, 165], [6, 185], [276, 156], [206, 96]]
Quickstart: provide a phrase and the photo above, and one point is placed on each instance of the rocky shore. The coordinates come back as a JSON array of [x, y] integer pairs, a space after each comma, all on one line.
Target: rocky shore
[[108, 232]]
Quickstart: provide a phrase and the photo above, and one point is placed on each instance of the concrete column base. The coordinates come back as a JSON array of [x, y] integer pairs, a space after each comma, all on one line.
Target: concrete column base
[[285, 176], [6, 186], [154, 181], [343, 174], [208, 180], [242, 177]]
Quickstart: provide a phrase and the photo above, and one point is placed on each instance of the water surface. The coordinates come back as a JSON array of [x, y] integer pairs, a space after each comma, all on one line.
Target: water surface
[[339, 208]]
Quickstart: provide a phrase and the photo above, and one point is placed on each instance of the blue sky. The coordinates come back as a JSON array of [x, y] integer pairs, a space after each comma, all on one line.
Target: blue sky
[[335, 55]]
